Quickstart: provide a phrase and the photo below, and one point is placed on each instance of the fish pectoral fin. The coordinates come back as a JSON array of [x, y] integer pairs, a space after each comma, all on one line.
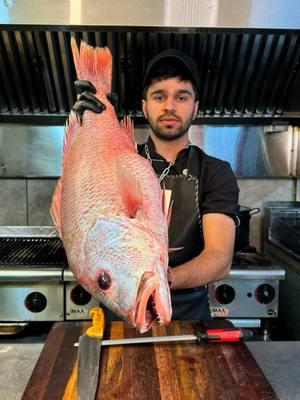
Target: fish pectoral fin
[[130, 190]]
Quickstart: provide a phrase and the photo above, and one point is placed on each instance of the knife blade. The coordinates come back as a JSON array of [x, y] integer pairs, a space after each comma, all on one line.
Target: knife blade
[[89, 356]]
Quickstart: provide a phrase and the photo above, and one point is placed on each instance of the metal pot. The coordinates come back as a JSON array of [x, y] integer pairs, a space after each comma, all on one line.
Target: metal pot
[[243, 229]]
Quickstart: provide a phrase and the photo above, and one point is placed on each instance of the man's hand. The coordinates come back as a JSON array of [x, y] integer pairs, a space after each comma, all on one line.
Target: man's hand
[[86, 100]]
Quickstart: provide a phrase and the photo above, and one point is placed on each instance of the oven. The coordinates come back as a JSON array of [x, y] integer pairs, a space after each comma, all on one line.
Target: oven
[[250, 293]]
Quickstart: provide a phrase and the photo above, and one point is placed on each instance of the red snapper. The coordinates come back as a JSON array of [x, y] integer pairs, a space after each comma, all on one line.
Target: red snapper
[[108, 207]]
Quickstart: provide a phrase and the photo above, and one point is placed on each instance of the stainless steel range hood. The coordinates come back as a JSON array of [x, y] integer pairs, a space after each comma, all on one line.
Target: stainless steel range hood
[[248, 53]]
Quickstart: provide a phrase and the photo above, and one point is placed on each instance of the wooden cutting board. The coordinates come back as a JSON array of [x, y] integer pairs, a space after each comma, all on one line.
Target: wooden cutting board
[[169, 371]]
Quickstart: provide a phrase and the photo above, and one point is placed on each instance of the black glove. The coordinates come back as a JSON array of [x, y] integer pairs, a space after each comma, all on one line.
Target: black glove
[[87, 101]]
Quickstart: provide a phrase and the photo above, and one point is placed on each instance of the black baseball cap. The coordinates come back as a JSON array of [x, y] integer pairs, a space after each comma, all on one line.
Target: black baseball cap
[[187, 61]]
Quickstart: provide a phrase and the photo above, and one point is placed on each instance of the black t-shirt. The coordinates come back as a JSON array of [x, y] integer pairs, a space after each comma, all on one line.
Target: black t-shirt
[[218, 189]]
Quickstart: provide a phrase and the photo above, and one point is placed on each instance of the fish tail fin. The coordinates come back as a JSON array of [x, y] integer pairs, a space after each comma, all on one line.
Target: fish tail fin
[[127, 125], [55, 209], [93, 64]]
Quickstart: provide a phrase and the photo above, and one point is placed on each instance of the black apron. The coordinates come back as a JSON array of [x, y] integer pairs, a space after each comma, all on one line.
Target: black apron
[[185, 231]]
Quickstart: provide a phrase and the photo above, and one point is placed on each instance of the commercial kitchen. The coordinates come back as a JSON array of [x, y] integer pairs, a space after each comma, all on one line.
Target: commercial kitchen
[[248, 56]]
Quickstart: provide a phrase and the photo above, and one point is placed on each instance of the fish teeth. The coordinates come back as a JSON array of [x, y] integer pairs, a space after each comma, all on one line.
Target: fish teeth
[[156, 312]]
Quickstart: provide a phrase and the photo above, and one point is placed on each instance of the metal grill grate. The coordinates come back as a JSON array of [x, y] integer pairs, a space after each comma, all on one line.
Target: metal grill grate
[[243, 72], [31, 251]]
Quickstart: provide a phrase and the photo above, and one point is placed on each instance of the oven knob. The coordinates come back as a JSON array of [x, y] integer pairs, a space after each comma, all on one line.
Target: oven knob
[[35, 302], [225, 294], [80, 296], [265, 293]]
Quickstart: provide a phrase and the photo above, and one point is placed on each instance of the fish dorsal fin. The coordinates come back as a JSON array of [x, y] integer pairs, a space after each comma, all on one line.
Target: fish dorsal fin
[[72, 124], [55, 209], [93, 64], [127, 125], [130, 190]]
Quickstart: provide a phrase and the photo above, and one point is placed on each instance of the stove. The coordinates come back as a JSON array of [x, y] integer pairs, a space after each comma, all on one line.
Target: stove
[[31, 277], [249, 293], [35, 281]]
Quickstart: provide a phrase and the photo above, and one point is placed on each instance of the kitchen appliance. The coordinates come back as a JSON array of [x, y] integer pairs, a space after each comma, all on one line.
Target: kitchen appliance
[[282, 245], [78, 302], [35, 283], [31, 281], [250, 293]]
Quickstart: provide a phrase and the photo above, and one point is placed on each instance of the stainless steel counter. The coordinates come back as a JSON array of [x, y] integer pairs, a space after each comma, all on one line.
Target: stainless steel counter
[[280, 362], [17, 361]]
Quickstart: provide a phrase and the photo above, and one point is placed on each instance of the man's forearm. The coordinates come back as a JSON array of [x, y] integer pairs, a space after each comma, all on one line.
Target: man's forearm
[[210, 265]]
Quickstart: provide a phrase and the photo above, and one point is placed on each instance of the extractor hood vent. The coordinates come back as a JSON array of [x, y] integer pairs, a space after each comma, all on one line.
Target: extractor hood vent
[[243, 73]]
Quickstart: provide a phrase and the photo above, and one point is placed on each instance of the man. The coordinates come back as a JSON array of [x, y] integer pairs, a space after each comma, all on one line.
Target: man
[[203, 190]]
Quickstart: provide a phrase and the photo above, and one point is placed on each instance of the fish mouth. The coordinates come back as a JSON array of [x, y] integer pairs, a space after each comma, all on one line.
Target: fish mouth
[[149, 306]]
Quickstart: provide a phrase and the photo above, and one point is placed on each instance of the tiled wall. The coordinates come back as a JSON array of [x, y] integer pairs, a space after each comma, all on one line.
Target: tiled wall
[[40, 193], [13, 204], [27, 201]]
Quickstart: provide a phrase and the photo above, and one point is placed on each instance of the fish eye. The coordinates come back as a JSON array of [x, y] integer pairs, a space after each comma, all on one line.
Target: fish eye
[[104, 281]]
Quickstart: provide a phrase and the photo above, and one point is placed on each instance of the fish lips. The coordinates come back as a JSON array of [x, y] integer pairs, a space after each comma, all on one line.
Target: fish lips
[[149, 306]]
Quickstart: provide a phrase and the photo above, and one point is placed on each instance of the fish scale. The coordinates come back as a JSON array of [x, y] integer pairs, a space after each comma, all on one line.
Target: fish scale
[[107, 208]]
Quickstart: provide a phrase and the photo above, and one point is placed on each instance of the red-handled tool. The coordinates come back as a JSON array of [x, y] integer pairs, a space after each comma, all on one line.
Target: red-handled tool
[[224, 335], [212, 335]]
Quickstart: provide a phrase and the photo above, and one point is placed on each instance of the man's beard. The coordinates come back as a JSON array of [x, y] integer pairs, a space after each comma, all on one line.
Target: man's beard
[[165, 134]]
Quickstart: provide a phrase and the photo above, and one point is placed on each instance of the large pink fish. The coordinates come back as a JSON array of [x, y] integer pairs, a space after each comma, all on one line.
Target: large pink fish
[[108, 210]]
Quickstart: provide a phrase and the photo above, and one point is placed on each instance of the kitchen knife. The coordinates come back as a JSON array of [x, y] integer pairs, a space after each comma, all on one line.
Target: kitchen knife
[[211, 335], [89, 356]]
